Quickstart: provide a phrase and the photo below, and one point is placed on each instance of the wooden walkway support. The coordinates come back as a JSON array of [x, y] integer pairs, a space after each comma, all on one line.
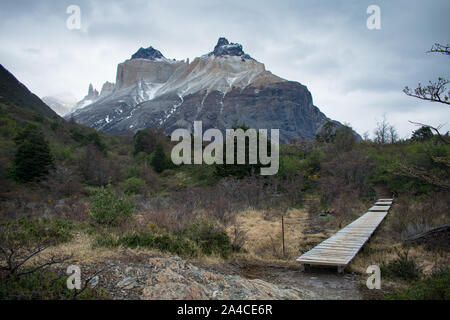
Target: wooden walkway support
[[342, 247]]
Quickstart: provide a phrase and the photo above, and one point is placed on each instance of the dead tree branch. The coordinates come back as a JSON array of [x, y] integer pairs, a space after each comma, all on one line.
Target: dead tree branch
[[421, 174], [440, 48], [434, 91], [441, 137]]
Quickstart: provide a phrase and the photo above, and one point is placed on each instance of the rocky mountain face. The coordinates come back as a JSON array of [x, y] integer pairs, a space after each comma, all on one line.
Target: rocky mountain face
[[222, 88]]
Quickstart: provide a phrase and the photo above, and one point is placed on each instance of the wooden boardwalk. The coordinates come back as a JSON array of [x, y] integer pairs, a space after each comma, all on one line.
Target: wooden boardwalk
[[342, 247]]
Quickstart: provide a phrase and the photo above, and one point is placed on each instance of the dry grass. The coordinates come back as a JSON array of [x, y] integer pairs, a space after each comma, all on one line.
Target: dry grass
[[263, 233], [81, 250]]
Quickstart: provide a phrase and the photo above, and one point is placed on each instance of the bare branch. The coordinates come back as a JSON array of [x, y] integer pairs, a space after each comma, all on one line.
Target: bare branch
[[434, 92], [87, 281], [52, 261], [418, 173], [440, 48], [38, 250], [441, 137]]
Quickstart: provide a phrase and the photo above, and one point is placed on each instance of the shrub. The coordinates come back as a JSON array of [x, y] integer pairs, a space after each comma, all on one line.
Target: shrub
[[434, 287], [209, 238], [95, 167], [290, 165], [42, 285], [33, 230], [54, 125], [105, 240], [8, 127], [162, 241], [95, 139], [200, 237], [109, 209], [402, 267], [62, 181], [241, 171], [327, 132], [344, 139], [147, 140], [92, 137], [61, 153], [133, 185], [38, 118]]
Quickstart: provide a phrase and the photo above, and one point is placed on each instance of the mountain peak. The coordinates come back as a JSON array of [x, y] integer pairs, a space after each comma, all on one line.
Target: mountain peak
[[149, 53], [226, 48], [92, 93]]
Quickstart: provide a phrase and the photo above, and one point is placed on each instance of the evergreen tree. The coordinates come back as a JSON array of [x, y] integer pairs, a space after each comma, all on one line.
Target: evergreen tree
[[32, 159], [146, 140], [240, 170], [160, 162], [422, 134]]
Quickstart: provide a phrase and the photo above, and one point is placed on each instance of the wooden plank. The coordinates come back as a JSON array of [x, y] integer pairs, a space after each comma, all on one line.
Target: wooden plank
[[383, 203], [379, 208]]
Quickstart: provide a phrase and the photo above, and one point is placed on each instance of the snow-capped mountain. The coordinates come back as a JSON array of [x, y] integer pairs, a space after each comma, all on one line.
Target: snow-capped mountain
[[61, 103], [221, 88]]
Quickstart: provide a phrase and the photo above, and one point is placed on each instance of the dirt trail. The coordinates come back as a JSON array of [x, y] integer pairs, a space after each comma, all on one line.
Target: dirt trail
[[314, 284], [382, 191]]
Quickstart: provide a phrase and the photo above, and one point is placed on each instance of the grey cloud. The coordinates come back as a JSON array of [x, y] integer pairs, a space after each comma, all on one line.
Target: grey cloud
[[323, 44]]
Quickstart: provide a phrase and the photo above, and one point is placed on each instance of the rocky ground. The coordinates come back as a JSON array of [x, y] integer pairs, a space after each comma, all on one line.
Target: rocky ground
[[139, 276]]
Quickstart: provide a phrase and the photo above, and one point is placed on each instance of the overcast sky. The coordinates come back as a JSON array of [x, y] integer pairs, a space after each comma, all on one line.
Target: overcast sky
[[355, 74]]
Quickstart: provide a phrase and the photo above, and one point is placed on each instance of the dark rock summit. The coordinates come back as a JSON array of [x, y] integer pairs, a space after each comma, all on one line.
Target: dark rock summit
[[225, 48], [149, 53]]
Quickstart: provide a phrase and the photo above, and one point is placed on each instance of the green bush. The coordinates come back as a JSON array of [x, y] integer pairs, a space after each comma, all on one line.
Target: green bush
[[108, 208], [203, 174], [33, 230], [133, 185], [162, 241], [38, 118], [54, 125], [402, 166], [291, 165], [241, 171], [61, 153], [201, 237], [107, 240], [209, 238], [402, 267], [433, 287], [92, 137], [42, 285], [8, 127], [327, 132]]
